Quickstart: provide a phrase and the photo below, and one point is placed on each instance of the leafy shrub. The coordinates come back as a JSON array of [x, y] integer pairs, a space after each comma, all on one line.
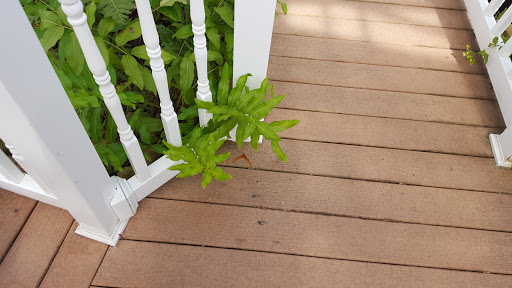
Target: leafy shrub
[[117, 33]]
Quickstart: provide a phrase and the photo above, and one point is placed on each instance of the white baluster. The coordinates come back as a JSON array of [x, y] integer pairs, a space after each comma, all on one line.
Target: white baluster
[[77, 18], [491, 9], [9, 169], [150, 37], [203, 86], [502, 24]]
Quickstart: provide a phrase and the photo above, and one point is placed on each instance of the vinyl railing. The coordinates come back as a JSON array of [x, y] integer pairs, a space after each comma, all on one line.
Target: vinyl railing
[[46, 138], [499, 66]]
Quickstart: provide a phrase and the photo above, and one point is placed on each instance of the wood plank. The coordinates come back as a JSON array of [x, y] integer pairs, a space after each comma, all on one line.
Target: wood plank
[[388, 133], [374, 77], [374, 32], [379, 164], [389, 104], [380, 12], [447, 4], [164, 265], [76, 262], [345, 197], [366, 53], [31, 254], [321, 236], [14, 211]]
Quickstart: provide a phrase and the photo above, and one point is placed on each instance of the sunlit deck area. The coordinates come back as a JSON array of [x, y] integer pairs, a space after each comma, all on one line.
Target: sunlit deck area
[[390, 180]]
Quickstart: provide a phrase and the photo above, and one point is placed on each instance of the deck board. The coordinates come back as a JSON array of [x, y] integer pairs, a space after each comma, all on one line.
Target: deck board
[[14, 211], [32, 253], [78, 256], [375, 77], [389, 104], [446, 4], [351, 198], [373, 53], [380, 12], [320, 236], [165, 265], [374, 32], [387, 133]]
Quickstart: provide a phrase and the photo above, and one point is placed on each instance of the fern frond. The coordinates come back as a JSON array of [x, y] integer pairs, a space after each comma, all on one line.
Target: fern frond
[[118, 10]]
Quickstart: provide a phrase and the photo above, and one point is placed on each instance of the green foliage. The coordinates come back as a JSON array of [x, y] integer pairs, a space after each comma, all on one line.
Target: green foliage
[[494, 43], [234, 108], [117, 33]]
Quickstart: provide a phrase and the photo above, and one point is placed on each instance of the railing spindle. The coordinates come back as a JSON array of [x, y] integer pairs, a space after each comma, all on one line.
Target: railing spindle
[[152, 42], [77, 18], [502, 24], [491, 9], [197, 15]]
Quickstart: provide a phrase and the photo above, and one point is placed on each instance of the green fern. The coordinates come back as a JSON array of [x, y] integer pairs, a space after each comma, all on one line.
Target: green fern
[[118, 10]]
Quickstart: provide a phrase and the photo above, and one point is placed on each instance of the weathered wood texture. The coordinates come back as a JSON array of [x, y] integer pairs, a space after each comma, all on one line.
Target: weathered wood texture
[[76, 262], [346, 197], [373, 53], [380, 12], [447, 4], [389, 104], [14, 212], [165, 265], [35, 247]]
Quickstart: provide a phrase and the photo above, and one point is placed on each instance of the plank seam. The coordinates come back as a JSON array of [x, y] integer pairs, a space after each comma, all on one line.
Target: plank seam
[[318, 257], [408, 5], [386, 220]]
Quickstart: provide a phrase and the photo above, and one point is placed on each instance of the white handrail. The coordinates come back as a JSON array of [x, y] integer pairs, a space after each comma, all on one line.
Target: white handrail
[[197, 15], [152, 42], [77, 18]]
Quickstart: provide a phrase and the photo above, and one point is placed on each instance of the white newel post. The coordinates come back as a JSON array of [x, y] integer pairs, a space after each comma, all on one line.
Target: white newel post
[[37, 118], [152, 42], [77, 18], [197, 15], [254, 22]]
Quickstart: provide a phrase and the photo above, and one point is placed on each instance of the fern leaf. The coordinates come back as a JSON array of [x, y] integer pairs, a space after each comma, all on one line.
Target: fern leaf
[[118, 10]]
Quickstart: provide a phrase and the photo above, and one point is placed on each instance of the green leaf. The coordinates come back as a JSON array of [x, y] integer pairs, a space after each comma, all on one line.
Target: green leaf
[[62, 16], [262, 110], [229, 38], [207, 178], [164, 3], [82, 99], [255, 138], [133, 121], [64, 43], [265, 130], [279, 126], [105, 26], [204, 105], [118, 150], [118, 10], [64, 80], [74, 55], [111, 129], [89, 11], [49, 19], [157, 148], [215, 56], [184, 32], [284, 7], [96, 125], [225, 128], [223, 90], [84, 115], [51, 36], [240, 131], [238, 90], [226, 13], [129, 98], [186, 74], [101, 149], [174, 13], [153, 124], [144, 134], [132, 68], [149, 82], [103, 48], [188, 113], [130, 33], [214, 37], [218, 174], [277, 150]]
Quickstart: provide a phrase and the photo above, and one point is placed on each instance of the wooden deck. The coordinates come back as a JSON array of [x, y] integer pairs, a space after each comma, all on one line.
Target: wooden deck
[[390, 180]]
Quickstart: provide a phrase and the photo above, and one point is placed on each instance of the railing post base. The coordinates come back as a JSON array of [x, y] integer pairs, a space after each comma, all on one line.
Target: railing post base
[[107, 239], [498, 142]]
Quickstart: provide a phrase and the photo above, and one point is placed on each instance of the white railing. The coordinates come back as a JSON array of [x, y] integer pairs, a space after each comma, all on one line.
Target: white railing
[[46, 138], [499, 66]]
